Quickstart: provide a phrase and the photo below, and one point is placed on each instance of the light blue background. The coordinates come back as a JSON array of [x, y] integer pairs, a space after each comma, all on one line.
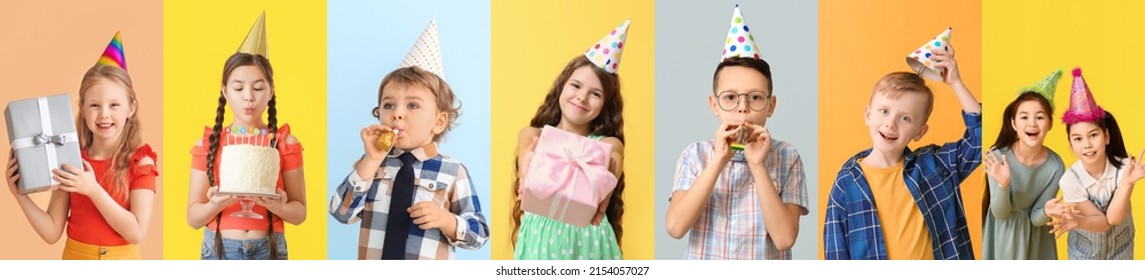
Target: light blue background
[[367, 40]]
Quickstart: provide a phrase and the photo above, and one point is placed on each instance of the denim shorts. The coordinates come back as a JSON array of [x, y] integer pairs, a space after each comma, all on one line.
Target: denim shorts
[[233, 249]]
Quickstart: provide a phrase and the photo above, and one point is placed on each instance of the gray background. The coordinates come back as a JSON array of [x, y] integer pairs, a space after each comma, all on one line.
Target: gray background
[[689, 38]]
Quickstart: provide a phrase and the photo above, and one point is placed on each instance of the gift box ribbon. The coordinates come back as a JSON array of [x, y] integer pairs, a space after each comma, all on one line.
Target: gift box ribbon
[[573, 158], [46, 138]]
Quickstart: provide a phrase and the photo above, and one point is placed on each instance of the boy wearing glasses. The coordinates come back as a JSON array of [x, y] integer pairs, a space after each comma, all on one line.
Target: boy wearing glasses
[[889, 202], [741, 194]]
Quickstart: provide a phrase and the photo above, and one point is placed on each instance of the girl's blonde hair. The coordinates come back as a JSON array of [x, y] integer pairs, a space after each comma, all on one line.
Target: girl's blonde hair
[[129, 140]]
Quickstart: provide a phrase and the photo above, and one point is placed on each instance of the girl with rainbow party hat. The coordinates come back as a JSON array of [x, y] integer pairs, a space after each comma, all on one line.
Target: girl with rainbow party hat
[[585, 100], [105, 205], [1094, 207], [241, 226]]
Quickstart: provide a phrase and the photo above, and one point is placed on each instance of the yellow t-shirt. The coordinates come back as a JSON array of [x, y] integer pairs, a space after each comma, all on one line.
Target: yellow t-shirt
[[903, 226]]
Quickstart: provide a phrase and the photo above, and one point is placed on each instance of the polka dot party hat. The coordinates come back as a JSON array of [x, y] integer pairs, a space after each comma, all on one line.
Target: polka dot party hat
[[1082, 107], [739, 43], [606, 53], [426, 52], [921, 60], [255, 42], [1045, 87], [113, 54]]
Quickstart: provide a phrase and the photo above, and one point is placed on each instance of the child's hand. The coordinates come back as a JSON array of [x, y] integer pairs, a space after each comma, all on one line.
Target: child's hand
[[75, 180], [600, 209], [1059, 212], [370, 136], [997, 168], [13, 173], [1065, 222], [220, 200], [1135, 170], [758, 144], [724, 137], [427, 215], [945, 60], [273, 203], [1054, 208]]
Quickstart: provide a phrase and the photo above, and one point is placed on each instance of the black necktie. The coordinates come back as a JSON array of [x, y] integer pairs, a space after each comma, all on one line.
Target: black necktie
[[398, 219]]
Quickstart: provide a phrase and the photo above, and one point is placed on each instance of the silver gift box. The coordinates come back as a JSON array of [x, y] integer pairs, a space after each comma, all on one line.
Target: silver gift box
[[42, 131]]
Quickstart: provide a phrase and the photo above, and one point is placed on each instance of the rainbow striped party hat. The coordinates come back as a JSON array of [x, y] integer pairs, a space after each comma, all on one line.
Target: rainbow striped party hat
[[113, 54]]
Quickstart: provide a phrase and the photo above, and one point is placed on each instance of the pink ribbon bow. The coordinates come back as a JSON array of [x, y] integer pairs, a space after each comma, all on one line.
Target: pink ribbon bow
[[569, 165]]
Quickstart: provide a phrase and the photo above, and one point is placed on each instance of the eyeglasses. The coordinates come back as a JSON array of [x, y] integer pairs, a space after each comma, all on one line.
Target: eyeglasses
[[756, 100]]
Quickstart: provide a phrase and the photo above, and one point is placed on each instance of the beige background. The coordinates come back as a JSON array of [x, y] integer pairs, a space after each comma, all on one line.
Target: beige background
[[48, 45]]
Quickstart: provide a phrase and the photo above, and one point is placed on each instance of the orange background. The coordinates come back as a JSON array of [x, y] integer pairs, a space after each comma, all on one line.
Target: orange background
[[859, 42], [48, 47]]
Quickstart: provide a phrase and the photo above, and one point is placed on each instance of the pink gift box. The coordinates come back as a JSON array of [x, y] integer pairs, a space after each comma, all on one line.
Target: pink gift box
[[568, 177]]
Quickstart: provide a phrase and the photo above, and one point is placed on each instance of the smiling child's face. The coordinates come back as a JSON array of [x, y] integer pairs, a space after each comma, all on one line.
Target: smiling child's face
[[894, 122]]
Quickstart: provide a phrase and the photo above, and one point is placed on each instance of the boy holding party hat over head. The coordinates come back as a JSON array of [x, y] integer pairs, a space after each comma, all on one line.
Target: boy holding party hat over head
[[412, 201], [889, 202], [740, 194], [1096, 190]]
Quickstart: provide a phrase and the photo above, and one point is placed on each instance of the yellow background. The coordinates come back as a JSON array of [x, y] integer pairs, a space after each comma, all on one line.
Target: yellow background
[[859, 43], [532, 42], [1025, 40], [198, 38]]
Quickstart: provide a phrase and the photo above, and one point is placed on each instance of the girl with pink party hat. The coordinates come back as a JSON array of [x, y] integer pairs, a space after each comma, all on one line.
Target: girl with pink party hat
[[1094, 207], [106, 205]]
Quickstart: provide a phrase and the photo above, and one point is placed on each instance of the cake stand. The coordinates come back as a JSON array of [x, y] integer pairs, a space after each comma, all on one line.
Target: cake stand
[[247, 204]]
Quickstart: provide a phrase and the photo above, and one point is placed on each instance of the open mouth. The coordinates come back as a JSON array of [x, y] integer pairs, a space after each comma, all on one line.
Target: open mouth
[[1089, 154], [1032, 134], [888, 137], [104, 125]]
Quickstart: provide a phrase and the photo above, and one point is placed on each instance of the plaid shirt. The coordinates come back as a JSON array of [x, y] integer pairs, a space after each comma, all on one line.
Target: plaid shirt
[[731, 227], [933, 174], [440, 179]]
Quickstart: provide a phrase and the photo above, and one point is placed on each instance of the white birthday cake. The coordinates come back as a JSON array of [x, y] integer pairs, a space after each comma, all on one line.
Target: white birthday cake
[[248, 169]]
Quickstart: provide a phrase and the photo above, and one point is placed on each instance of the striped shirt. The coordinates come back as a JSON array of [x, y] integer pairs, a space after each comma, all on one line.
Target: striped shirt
[[1116, 243], [440, 179], [731, 227], [933, 174]]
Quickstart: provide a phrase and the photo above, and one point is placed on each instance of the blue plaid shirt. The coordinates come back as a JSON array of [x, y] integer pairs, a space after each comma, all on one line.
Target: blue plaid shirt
[[440, 179], [933, 174]]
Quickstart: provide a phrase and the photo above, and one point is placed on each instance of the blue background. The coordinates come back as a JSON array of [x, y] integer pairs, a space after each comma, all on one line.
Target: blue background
[[367, 40]]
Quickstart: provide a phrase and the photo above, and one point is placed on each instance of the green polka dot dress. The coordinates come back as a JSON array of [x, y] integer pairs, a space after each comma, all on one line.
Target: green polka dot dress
[[542, 238]]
